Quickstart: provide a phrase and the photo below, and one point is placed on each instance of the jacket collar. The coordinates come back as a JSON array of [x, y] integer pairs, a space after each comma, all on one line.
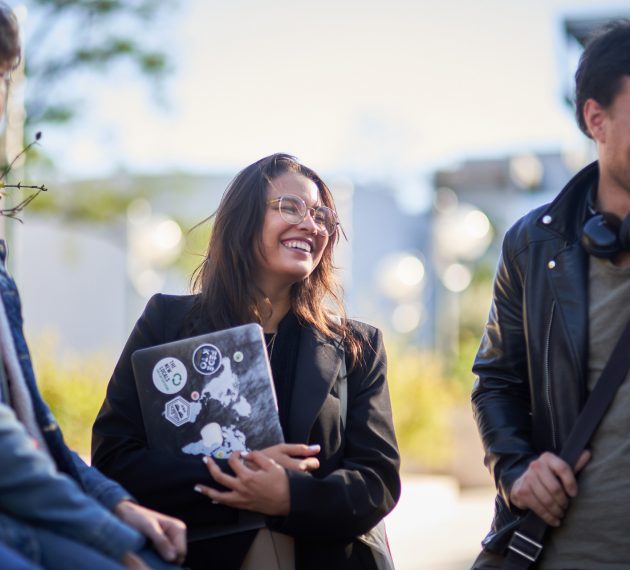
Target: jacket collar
[[317, 368], [567, 213]]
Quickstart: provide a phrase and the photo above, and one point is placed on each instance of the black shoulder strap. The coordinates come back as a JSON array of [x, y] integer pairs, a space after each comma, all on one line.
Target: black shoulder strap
[[527, 542]]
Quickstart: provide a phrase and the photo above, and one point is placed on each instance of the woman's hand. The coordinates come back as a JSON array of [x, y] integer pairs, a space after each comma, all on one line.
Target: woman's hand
[[263, 488], [294, 456]]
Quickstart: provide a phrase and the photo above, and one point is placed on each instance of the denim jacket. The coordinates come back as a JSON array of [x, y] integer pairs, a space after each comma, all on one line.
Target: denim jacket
[[63, 494]]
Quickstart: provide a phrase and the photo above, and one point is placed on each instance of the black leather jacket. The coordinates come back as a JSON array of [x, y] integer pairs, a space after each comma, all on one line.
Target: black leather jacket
[[531, 366]]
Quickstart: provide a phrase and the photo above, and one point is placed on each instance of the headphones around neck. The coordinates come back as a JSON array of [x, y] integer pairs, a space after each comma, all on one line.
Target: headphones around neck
[[605, 235]]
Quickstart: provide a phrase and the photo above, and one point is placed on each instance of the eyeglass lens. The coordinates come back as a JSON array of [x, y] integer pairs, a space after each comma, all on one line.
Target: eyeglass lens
[[293, 210]]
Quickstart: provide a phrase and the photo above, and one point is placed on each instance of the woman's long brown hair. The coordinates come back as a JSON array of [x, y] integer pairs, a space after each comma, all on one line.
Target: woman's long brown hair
[[227, 293]]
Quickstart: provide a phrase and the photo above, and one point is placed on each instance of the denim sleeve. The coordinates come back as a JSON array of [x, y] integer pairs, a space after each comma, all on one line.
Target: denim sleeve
[[15, 561], [104, 490], [34, 492]]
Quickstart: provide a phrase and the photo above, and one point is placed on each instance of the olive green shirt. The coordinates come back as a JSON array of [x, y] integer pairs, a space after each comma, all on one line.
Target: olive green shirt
[[595, 533]]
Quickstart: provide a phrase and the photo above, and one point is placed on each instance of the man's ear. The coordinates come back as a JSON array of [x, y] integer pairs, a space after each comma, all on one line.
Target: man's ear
[[595, 119]]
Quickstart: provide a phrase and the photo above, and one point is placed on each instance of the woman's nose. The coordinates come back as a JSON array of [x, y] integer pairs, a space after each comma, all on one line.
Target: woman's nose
[[309, 221]]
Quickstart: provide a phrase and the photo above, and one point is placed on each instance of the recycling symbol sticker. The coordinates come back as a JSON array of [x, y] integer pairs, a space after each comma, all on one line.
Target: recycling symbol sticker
[[169, 375]]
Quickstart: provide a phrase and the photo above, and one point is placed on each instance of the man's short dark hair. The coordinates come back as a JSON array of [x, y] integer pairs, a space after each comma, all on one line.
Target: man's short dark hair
[[9, 38], [603, 65]]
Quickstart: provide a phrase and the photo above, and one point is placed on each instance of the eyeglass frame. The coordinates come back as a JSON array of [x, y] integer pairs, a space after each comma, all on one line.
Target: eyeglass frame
[[6, 75], [308, 210]]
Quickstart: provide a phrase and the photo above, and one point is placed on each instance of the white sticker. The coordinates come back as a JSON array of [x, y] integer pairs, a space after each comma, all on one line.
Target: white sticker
[[206, 359], [169, 375], [177, 411]]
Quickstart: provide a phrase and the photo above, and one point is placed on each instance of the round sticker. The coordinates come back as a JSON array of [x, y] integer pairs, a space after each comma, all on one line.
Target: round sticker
[[238, 356], [206, 359], [194, 395], [169, 375]]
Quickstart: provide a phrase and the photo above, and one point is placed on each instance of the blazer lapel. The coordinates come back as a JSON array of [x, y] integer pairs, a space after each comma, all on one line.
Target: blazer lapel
[[317, 367]]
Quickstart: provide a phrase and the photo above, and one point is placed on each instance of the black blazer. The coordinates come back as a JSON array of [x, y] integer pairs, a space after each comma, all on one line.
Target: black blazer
[[356, 485]]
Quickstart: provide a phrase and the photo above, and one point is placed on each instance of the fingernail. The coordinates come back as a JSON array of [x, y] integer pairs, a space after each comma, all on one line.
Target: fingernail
[[215, 502], [198, 488], [314, 446], [205, 459], [244, 453]]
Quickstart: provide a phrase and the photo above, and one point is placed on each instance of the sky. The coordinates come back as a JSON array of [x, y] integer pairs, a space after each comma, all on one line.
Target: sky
[[387, 89]]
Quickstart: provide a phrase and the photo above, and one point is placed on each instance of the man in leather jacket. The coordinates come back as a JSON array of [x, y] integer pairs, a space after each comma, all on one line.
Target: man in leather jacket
[[561, 300]]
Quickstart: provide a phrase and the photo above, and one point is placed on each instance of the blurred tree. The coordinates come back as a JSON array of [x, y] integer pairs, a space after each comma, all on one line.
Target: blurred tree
[[69, 40], [69, 48]]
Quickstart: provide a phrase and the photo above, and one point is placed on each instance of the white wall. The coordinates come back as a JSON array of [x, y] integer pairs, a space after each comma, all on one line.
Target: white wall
[[72, 280]]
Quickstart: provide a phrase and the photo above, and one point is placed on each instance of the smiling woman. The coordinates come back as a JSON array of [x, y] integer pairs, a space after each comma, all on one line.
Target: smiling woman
[[269, 261], [292, 243]]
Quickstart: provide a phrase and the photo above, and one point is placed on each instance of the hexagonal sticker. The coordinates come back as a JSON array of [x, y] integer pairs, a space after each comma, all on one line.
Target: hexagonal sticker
[[177, 411]]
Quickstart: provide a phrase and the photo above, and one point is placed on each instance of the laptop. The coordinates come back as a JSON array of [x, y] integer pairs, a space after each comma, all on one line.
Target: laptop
[[209, 395]]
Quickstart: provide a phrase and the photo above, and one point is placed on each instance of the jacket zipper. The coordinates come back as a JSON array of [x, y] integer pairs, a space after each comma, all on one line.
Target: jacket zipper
[[548, 378]]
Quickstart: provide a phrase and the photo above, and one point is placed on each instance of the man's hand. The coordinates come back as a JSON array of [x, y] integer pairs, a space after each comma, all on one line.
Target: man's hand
[[546, 487], [167, 534]]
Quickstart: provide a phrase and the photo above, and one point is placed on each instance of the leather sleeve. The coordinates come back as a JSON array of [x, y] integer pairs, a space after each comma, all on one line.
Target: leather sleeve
[[501, 397], [365, 486], [157, 479]]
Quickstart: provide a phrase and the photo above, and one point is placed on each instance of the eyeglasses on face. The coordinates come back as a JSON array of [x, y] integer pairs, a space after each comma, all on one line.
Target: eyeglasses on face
[[293, 210], [5, 76]]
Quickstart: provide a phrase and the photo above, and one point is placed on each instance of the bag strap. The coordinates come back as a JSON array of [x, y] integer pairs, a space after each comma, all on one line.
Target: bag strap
[[527, 541]]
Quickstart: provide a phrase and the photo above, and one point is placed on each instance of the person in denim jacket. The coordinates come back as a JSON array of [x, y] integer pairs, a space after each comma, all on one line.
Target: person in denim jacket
[[55, 511]]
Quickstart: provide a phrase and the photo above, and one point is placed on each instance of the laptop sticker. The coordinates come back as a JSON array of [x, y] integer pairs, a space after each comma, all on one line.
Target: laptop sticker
[[169, 375]]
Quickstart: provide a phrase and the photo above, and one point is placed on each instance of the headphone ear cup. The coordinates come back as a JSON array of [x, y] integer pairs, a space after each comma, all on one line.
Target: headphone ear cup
[[599, 239], [624, 234]]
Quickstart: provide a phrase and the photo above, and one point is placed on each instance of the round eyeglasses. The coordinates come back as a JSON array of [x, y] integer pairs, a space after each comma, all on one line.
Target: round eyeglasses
[[293, 210]]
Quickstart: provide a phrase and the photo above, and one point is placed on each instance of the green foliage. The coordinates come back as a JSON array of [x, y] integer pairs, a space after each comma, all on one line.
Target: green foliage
[[98, 35], [422, 396], [91, 205], [429, 390], [73, 388], [195, 245], [460, 368], [475, 302]]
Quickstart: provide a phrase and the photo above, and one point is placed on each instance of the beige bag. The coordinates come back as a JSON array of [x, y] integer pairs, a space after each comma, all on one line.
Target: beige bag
[[270, 551]]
